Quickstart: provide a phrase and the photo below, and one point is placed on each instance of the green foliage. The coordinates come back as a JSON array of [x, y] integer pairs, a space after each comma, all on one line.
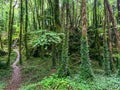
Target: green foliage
[[30, 87], [44, 37], [54, 83], [2, 85], [4, 76], [85, 66], [58, 83]]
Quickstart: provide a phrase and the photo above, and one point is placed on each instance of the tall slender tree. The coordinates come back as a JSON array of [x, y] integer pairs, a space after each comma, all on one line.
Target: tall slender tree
[[105, 44], [115, 28], [10, 32], [26, 27], [85, 66], [21, 28], [64, 69], [118, 6]]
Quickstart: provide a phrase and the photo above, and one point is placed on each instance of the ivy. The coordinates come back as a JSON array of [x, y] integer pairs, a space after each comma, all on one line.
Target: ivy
[[85, 66]]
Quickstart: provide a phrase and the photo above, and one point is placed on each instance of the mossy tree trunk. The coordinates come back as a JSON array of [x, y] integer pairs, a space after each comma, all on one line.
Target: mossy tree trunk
[[106, 56], [64, 69], [57, 27], [1, 44], [118, 6], [21, 28], [85, 66], [26, 28], [10, 33], [111, 16]]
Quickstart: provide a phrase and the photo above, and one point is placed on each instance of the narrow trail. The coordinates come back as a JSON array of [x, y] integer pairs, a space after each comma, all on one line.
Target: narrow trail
[[15, 80]]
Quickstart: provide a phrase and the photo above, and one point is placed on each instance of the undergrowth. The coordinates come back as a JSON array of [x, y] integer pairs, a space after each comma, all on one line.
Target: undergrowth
[[2, 85], [53, 83], [34, 70], [4, 77], [5, 71]]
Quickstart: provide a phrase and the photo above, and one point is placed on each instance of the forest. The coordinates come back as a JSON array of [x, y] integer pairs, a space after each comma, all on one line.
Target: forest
[[59, 44]]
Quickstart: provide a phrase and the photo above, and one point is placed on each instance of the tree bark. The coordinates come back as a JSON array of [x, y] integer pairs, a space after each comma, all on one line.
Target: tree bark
[[85, 66], [21, 27], [115, 29], [118, 6], [26, 27], [10, 33]]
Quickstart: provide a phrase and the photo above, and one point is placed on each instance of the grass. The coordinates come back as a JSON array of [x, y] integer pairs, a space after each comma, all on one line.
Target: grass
[[5, 71], [4, 77], [35, 69]]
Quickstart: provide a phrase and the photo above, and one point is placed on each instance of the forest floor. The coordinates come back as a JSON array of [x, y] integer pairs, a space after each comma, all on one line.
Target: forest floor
[[38, 74], [15, 80]]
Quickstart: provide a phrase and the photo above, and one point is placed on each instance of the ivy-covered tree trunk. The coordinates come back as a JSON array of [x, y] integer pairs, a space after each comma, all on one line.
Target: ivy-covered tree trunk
[[85, 66], [64, 69], [105, 44]]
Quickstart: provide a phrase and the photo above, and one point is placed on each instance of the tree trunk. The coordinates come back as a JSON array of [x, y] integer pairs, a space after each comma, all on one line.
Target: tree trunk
[[85, 66], [26, 27], [21, 27], [64, 69], [1, 44], [105, 44], [118, 6], [112, 67], [10, 33], [115, 28]]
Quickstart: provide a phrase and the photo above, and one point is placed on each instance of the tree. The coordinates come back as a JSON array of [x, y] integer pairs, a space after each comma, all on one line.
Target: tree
[[105, 43], [64, 69], [26, 27], [85, 66], [115, 29], [21, 28], [10, 33], [118, 6]]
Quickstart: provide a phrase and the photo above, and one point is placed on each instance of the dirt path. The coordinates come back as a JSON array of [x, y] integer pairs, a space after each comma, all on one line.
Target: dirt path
[[15, 80]]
